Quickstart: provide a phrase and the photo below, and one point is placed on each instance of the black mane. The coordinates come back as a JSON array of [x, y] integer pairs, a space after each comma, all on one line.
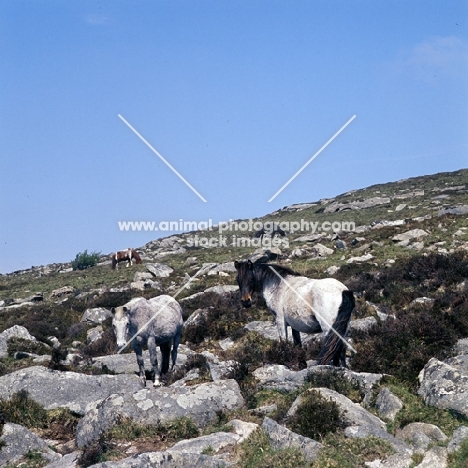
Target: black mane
[[265, 271]]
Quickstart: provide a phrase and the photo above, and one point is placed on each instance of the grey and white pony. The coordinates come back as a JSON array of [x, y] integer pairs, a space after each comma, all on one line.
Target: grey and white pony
[[306, 305], [154, 322]]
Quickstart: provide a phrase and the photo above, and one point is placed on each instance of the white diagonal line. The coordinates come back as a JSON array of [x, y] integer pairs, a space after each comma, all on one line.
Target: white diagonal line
[[160, 157], [312, 309], [312, 158], [158, 312]]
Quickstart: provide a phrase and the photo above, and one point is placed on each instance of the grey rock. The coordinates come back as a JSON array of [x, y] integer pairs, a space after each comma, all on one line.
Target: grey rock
[[16, 331], [94, 334], [363, 431], [388, 404], [18, 441], [429, 430], [197, 317], [320, 250], [397, 460], [309, 238], [215, 441], [76, 390], [242, 429], [445, 384], [279, 377], [409, 235], [142, 276], [363, 324], [96, 315], [70, 460], [461, 347], [61, 292], [165, 460], [125, 363], [332, 270], [458, 437], [421, 442], [358, 205], [436, 457], [218, 369], [281, 438], [455, 210], [352, 414], [363, 258], [150, 406], [159, 270]]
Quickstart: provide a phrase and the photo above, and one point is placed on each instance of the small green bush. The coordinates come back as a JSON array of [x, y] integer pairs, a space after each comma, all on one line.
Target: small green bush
[[84, 260], [316, 416]]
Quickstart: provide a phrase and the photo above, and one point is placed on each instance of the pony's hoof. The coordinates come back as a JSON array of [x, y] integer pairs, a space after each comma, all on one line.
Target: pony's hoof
[[157, 383], [143, 382]]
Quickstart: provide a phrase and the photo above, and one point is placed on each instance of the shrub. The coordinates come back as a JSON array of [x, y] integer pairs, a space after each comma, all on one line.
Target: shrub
[[316, 416], [84, 260], [22, 409], [335, 380]]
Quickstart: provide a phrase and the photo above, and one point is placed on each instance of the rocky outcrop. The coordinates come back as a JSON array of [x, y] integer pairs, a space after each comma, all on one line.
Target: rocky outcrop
[[76, 391], [159, 405], [17, 441], [281, 438], [16, 331], [444, 384]]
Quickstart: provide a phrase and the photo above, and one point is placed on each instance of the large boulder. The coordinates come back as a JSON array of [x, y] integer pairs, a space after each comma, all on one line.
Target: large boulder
[[16, 331], [158, 405], [56, 389], [444, 384], [165, 460], [281, 438], [16, 441]]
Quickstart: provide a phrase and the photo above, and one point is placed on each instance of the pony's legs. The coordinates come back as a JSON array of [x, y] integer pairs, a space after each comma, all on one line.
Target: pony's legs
[[282, 328], [165, 352], [154, 361], [175, 346], [141, 364], [296, 337]]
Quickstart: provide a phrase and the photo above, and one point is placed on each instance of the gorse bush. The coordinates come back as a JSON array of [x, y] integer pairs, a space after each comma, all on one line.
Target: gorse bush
[[84, 260]]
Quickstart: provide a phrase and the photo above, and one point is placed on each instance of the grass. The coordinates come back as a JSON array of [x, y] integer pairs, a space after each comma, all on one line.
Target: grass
[[256, 452], [32, 459], [458, 458], [415, 410], [111, 446]]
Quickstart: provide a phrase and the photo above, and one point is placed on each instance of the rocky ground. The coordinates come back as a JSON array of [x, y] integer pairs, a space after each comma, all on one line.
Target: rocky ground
[[223, 405]]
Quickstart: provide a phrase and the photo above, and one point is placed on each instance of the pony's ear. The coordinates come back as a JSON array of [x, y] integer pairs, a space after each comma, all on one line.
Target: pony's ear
[[236, 264], [249, 264], [113, 310]]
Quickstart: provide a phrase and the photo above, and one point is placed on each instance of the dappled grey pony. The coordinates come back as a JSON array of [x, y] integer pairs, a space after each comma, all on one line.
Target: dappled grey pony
[[154, 322], [306, 305]]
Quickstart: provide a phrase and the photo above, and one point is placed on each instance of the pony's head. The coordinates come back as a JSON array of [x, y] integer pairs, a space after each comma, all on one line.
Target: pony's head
[[246, 281], [120, 324], [136, 256]]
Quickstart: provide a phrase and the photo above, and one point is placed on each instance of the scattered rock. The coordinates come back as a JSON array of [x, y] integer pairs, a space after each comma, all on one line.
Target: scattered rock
[[16, 331], [159, 270], [281, 438], [388, 404], [459, 436], [445, 384], [364, 258], [61, 292], [18, 441], [96, 315], [408, 235], [153, 405]]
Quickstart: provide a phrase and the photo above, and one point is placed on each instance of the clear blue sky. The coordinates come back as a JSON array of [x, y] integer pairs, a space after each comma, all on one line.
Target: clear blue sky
[[236, 95]]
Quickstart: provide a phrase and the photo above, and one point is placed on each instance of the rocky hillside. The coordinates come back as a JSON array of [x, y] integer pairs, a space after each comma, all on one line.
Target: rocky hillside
[[238, 396]]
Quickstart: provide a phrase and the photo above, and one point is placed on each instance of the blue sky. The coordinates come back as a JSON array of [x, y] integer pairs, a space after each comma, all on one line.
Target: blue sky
[[236, 95]]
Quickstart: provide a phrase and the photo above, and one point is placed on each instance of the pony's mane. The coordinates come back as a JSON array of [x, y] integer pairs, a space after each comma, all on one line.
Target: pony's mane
[[266, 271]]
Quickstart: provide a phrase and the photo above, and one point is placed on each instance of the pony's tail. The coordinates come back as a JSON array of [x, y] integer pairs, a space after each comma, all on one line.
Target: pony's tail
[[333, 345], [114, 262]]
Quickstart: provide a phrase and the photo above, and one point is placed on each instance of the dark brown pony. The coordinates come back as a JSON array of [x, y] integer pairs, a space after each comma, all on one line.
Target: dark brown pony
[[125, 256]]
